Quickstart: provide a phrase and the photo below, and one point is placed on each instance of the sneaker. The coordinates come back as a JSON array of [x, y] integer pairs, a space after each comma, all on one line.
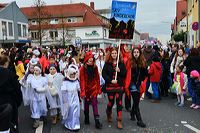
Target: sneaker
[[181, 105], [196, 107], [193, 105], [176, 103]]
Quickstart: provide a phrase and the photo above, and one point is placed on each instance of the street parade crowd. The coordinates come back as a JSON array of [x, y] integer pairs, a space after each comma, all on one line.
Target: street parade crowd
[[60, 80]]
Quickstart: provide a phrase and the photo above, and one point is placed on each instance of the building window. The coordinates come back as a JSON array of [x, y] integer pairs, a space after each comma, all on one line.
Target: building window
[[10, 28], [54, 21], [24, 31], [19, 30], [33, 22], [34, 35], [53, 34], [71, 33], [105, 35], [72, 20], [4, 28]]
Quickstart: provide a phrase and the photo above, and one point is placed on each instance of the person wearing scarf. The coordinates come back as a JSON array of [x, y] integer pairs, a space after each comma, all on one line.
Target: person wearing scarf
[[54, 84], [90, 87]]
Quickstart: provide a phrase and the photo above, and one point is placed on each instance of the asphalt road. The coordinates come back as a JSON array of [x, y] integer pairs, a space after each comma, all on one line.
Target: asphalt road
[[163, 117]]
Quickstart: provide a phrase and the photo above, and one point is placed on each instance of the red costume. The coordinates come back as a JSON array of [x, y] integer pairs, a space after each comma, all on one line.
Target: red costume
[[90, 87]]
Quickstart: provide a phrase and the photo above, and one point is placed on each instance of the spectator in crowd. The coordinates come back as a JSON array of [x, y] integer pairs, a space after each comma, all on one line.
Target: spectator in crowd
[[10, 92]]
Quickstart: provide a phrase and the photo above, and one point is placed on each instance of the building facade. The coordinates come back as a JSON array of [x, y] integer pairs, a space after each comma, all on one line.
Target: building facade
[[69, 23], [13, 25], [193, 16]]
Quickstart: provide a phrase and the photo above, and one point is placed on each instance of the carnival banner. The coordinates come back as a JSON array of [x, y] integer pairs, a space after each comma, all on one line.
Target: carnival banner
[[122, 21]]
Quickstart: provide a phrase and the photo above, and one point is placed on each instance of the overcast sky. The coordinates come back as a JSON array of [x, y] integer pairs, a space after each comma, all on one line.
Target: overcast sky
[[153, 16]]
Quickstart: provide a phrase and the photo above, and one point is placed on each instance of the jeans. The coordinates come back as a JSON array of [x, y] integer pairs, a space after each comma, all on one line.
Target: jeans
[[190, 86], [195, 98], [155, 89]]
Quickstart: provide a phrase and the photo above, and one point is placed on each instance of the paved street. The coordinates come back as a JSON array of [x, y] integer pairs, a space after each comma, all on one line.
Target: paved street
[[161, 117]]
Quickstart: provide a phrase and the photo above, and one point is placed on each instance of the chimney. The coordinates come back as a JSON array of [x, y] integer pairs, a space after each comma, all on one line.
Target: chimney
[[92, 5]]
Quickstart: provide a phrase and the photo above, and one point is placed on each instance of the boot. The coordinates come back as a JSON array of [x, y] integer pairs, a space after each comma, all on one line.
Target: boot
[[87, 120], [36, 123], [119, 123], [98, 125], [109, 116], [54, 120], [132, 115], [139, 119]]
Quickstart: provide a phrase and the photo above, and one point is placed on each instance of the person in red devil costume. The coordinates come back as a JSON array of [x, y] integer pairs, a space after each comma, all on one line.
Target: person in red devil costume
[[90, 87], [126, 55], [114, 84]]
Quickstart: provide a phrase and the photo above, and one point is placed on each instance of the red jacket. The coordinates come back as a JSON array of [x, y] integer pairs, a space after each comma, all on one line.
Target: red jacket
[[89, 88], [127, 63], [155, 72]]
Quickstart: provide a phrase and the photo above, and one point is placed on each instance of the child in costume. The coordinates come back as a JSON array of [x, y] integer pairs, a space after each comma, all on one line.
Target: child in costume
[[195, 77], [180, 81], [90, 87], [54, 84], [70, 100], [38, 105]]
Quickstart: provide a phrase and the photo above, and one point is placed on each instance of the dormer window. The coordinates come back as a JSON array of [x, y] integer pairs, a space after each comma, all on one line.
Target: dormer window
[[54, 21], [72, 20], [33, 22]]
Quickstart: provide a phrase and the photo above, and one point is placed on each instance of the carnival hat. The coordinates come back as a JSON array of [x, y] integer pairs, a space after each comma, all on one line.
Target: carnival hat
[[194, 73], [36, 52], [72, 69], [87, 56]]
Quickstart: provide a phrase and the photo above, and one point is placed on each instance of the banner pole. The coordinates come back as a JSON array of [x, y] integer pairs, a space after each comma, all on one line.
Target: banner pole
[[118, 58]]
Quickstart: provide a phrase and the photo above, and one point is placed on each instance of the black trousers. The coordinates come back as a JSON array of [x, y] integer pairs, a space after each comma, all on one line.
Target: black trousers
[[127, 102], [135, 111]]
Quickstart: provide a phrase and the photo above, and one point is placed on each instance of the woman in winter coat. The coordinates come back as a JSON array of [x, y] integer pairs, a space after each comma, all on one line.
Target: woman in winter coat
[[10, 92], [138, 74], [192, 63], [165, 81], [114, 87], [90, 87]]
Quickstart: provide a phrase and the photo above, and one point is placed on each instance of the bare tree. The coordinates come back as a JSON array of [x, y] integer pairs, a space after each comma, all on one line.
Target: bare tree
[[41, 16], [66, 37]]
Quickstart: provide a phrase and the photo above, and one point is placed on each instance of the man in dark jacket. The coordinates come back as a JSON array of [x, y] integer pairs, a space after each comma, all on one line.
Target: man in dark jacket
[[10, 91]]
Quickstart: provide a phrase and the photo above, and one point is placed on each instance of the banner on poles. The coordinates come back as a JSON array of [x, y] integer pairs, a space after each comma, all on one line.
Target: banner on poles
[[122, 21]]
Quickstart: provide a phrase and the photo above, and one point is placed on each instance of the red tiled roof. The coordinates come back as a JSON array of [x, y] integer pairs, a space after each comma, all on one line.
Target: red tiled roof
[[181, 10], [67, 10], [2, 5]]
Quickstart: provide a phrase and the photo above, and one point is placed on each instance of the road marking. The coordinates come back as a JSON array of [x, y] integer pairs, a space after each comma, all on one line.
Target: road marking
[[192, 128], [40, 128]]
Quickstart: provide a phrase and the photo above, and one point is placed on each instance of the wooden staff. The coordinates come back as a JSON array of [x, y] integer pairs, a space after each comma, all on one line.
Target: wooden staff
[[118, 58]]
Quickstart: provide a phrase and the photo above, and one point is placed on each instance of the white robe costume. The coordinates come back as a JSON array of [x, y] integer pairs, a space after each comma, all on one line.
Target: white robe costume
[[54, 100], [70, 104], [25, 91], [38, 103]]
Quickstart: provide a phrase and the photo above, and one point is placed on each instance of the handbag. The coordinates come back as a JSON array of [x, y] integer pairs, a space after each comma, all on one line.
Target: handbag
[[53, 91], [150, 89]]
